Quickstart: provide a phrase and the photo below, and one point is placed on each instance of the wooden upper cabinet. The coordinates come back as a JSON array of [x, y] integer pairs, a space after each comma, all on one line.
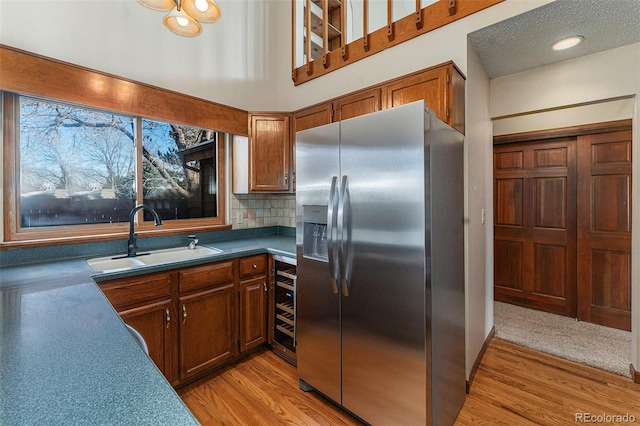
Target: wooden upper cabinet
[[270, 153], [359, 103], [442, 88], [314, 116]]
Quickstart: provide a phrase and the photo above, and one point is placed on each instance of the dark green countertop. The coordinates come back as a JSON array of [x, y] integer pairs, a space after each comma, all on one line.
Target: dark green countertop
[[66, 356]]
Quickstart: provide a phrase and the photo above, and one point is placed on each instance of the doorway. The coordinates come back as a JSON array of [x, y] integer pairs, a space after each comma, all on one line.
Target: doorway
[[562, 222]]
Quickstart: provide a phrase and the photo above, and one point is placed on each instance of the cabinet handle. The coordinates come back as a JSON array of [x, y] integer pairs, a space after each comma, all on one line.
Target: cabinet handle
[[264, 285], [184, 313], [286, 178], [168, 314]]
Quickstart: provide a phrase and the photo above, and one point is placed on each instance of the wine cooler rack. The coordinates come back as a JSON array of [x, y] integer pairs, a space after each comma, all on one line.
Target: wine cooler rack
[[284, 333]]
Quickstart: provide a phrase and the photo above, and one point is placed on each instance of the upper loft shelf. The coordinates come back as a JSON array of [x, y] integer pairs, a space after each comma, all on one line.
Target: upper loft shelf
[[316, 24], [339, 52], [333, 4]]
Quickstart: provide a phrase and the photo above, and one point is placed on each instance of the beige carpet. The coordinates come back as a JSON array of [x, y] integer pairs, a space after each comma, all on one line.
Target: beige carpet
[[591, 344]]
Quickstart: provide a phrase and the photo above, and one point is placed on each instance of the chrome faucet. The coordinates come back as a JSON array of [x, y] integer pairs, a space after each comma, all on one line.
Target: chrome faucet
[[193, 241], [132, 245]]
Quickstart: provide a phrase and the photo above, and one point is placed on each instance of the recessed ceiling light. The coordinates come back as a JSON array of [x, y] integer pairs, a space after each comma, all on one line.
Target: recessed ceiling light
[[567, 42]]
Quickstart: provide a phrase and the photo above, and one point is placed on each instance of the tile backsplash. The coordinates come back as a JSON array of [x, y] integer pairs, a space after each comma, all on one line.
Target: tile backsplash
[[257, 210]]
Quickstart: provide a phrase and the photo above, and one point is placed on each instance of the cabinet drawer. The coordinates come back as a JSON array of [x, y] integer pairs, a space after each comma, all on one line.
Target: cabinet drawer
[[253, 265], [135, 290], [205, 276]]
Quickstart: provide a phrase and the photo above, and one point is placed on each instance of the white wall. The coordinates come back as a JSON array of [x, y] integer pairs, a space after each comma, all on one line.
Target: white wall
[[607, 110], [231, 62], [602, 76], [601, 87], [478, 200]]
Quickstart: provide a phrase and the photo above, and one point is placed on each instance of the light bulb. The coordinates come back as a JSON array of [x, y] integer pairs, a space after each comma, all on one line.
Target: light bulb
[[181, 23], [202, 5], [567, 43]]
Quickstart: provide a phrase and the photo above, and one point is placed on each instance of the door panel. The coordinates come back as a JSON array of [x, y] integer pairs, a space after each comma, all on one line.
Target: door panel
[[207, 330], [551, 203], [509, 202], [509, 255], [549, 270], [313, 117], [361, 103], [269, 153], [154, 323], [614, 193], [430, 86], [253, 304], [604, 238], [535, 248]]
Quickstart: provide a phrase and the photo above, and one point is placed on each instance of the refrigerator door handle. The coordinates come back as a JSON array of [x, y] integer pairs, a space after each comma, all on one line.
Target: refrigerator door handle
[[332, 219], [345, 254]]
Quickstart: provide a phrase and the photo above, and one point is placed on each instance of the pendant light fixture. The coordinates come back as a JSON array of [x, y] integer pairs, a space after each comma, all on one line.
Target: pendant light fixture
[[186, 15]]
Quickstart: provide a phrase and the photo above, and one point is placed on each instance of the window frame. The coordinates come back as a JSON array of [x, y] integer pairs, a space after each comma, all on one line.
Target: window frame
[[15, 234]]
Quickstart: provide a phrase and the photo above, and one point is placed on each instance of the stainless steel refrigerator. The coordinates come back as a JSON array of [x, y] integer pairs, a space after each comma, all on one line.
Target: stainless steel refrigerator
[[380, 298]]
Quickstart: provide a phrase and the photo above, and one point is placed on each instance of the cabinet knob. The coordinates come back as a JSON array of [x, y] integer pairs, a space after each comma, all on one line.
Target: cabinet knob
[[255, 266]]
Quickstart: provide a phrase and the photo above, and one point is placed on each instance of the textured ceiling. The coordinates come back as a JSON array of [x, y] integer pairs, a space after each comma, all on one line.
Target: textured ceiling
[[524, 41]]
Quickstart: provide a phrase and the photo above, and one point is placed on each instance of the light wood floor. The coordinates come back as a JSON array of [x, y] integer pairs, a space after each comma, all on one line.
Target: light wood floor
[[513, 386]]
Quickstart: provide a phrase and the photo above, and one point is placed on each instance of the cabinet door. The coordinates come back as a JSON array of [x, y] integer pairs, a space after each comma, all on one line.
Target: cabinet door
[[207, 330], [139, 290], [156, 323], [313, 117], [360, 103], [269, 153], [253, 265], [253, 316], [436, 87]]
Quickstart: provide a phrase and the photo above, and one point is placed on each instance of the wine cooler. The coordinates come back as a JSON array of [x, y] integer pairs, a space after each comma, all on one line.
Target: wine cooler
[[284, 321]]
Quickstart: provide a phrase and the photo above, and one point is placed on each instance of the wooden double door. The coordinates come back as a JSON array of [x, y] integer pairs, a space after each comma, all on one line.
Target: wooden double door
[[562, 220]]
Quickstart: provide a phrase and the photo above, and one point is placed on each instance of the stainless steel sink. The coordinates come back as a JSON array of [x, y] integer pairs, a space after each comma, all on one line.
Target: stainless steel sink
[[156, 257]]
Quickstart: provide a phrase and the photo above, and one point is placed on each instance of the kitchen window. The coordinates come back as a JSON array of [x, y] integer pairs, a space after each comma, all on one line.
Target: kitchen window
[[79, 171], [179, 170]]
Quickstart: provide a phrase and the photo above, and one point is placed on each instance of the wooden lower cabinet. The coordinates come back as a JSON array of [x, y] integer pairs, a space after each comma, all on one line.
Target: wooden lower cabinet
[[156, 323], [253, 301], [253, 313], [197, 318], [146, 303], [207, 331]]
